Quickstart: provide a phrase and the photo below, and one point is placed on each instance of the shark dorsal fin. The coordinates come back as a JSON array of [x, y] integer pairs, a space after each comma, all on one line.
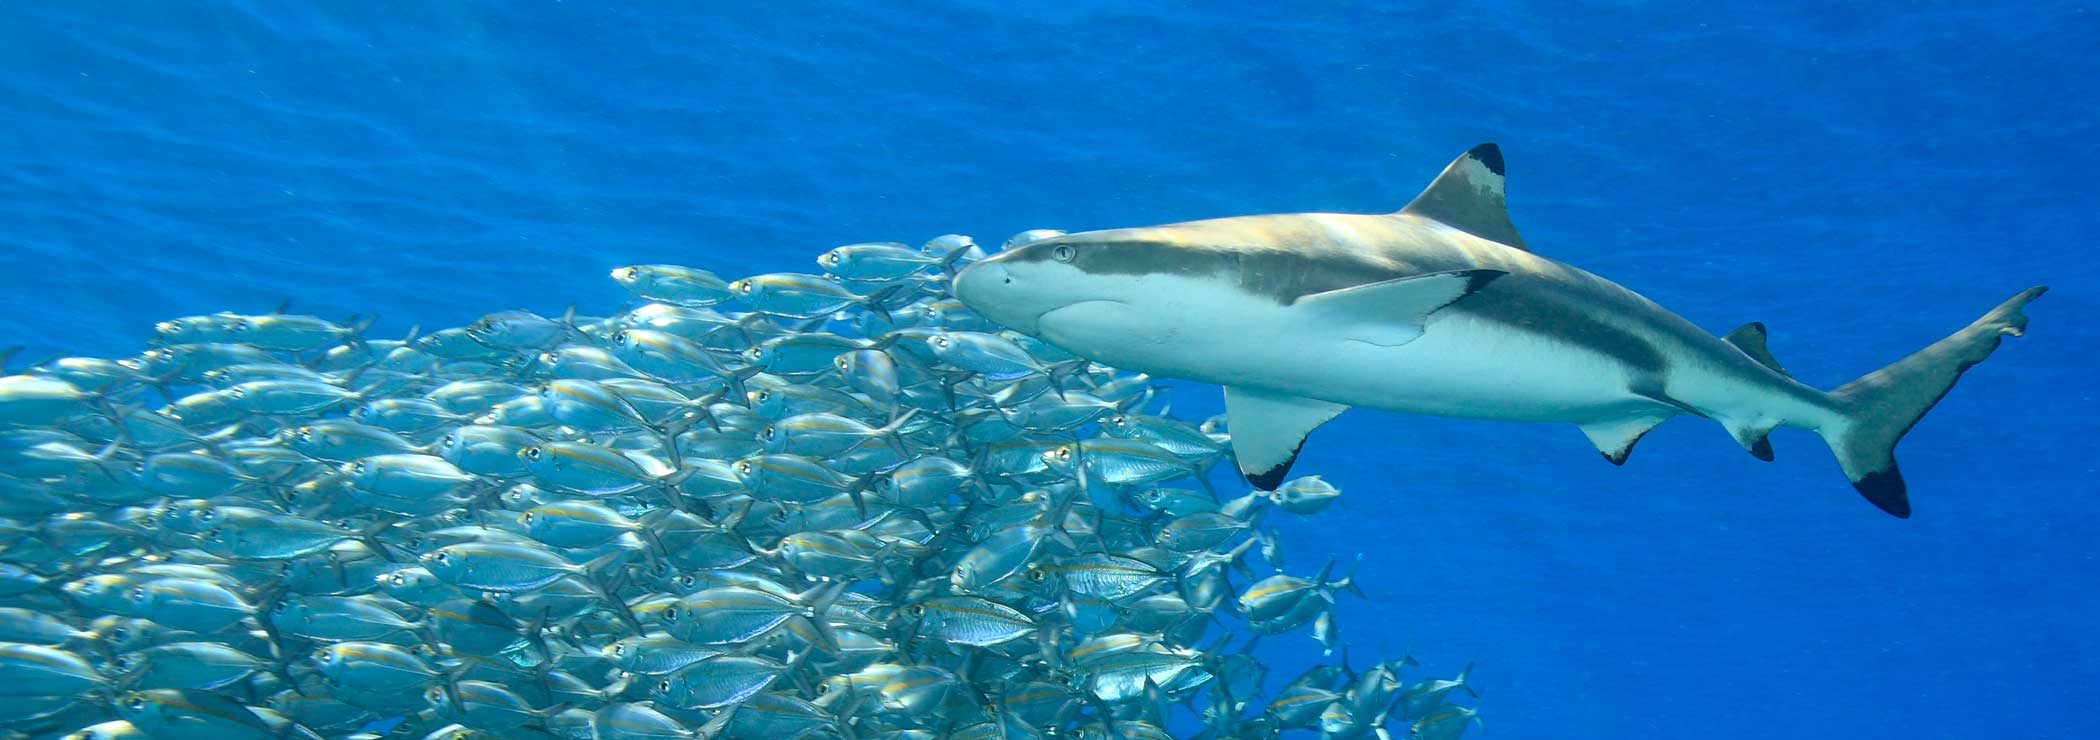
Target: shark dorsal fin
[[1750, 338], [1468, 197]]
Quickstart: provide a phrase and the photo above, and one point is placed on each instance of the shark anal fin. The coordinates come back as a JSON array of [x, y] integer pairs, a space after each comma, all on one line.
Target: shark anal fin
[[1468, 197], [1269, 428], [1390, 313], [1750, 338], [1615, 438]]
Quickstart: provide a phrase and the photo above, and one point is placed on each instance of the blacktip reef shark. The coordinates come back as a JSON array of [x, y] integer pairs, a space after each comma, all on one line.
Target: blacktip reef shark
[[1439, 308]]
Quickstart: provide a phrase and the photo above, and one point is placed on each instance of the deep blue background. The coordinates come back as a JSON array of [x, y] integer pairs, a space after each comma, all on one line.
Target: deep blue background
[[1863, 180]]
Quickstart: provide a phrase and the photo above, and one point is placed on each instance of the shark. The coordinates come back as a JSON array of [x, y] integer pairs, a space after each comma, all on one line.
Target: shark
[[1439, 308]]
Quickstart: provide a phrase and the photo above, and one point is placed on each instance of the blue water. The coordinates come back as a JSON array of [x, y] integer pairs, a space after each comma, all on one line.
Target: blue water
[[1862, 180]]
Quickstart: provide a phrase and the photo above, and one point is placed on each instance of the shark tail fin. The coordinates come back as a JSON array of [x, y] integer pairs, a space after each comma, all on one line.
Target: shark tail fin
[[1881, 406]]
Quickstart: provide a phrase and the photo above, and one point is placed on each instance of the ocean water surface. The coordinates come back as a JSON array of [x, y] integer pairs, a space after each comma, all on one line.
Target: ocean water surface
[[1862, 179]]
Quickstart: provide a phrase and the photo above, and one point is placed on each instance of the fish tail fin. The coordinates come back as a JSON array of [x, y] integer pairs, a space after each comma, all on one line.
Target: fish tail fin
[[1878, 408]]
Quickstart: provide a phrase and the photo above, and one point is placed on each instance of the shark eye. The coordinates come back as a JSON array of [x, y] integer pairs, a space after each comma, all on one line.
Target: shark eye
[[1062, 253]]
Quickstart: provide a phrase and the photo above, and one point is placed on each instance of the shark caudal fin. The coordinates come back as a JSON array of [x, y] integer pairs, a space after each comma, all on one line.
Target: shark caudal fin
[[1881, 406]]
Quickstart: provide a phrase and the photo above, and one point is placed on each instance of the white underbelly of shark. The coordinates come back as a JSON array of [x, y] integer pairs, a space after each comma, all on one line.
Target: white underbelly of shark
[[1462, 366]]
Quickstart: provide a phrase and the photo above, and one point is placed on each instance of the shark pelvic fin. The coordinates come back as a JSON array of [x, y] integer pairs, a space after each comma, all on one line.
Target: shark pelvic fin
[[1391, 313], [1615, 438], [1468, 197], [1750, 338], [1269, 428]]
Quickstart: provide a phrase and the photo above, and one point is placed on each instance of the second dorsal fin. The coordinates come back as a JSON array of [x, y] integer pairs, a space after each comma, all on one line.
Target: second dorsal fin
[[1468, 197], [1750, 338]]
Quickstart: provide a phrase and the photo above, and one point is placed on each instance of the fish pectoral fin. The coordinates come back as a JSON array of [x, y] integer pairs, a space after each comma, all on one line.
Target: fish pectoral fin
[[1269, 428], [1615, 437], [1390, 313]]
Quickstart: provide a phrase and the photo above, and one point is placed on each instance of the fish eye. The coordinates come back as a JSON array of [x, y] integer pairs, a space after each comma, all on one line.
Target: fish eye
[[138, 594], [620, 339], [1062, 253], [398, 579], [435, 694], [449, 440], [1037, 575], [916, 610], [442, 557], [1064, 453], [528, 517], [321, 654], [624, 273], [120, 634], [138, 468], [135, 703], [688, 581], [831, 258], [823, 688], [240, 326], [743, 468], [767, 434], [532, 453], [671, 614], [744, 287], [207, 515], [764, 395], [940, 341]]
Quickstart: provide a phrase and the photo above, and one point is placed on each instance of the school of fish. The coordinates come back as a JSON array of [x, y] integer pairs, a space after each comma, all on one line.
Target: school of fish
[[825, 505]]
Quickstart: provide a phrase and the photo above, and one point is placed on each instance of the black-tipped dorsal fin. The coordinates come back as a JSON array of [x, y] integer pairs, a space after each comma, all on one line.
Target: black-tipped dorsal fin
[[1750, 338], [1468, 197]]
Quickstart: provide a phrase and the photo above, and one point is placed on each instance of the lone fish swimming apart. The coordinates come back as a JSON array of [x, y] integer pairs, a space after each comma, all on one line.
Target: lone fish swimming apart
[[1439, 308]]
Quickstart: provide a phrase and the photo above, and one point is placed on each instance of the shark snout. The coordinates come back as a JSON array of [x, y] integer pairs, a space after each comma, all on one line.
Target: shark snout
[[984, 287]]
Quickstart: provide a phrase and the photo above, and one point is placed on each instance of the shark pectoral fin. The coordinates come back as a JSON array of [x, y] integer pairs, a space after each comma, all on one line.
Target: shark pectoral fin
[[1391, 313], [1615, 437], [1750, 338], [1468, 197], [1268, 428]]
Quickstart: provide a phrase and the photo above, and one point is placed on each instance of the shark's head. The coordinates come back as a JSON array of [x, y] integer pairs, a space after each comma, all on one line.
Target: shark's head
[[1018, 286]]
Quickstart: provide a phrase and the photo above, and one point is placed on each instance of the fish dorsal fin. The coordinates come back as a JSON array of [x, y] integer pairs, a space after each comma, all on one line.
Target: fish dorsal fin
[[1750, 338], [1390, 313], [1268, 428], [1468, 197], [1615, 438]]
